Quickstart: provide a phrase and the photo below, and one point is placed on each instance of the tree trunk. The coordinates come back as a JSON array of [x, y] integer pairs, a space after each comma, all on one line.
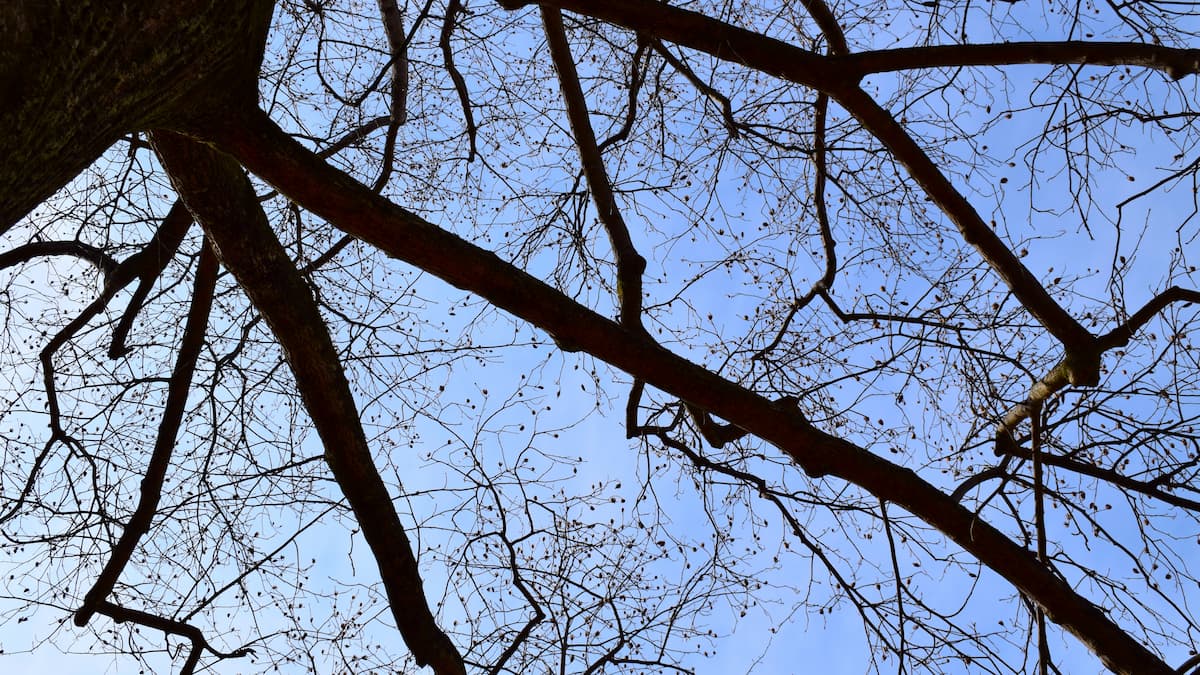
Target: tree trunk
[[76, 75]]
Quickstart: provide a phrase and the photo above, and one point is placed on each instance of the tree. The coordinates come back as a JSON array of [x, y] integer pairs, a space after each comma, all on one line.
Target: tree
[[850, 256]]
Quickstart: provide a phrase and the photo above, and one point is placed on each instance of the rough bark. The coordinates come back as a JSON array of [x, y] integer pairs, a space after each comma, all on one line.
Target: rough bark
[[75, 75]]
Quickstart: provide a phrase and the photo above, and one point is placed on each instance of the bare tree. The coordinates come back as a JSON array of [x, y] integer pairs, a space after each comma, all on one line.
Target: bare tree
[[893, 302]]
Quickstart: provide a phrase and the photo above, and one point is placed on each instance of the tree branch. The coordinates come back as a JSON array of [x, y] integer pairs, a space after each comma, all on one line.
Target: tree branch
[[393, 26], [168, 430], [823, 285], [702, 33], [1149, 488], [269, 152], [75, 249], [722, 101], [146, 266], [737, 45], [1121, 335], [1060, 376], [192, 633], [630, 264], [141, 264], [453, 8], [242, 237], [829, 25], [1025, 287], [1175, 63]]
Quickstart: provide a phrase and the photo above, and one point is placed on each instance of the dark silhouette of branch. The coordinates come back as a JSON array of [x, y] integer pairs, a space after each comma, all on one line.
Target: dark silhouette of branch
[[630, 264], [1175, 63], [393, 26], [823, 285], [269, 152], [887, 528], [1150, 488], [453, 9], [143, 262], [1025, 287], [168, 430], [847, 317], [245, 244], [539, 614], [355, 135], [76, 249], [146, 266], [637, 78], [829, 25], [976, 480], [186, 630], [1060, 376], [702, 33], [774, 57], [722, 101], [1039, 525], [1186, 667], [1121, 335]]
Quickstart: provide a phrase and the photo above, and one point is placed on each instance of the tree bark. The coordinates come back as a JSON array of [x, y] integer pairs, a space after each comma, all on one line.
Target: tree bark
[[76, 75]]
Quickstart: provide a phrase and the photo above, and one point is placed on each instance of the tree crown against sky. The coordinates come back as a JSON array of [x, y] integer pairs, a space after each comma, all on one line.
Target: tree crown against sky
[[504, 337]]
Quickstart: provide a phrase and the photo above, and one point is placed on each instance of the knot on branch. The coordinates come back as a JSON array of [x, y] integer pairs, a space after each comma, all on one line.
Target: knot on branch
[[1179, 70], [718, 435], [1006, 443], [1082, 367]]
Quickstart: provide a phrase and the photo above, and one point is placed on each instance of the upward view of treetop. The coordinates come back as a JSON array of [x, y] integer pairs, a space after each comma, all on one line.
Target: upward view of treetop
[[626, 336]]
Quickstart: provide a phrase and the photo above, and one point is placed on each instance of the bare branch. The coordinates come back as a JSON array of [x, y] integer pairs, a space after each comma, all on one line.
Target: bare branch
[[101, 260], [1151, 489], [168, 430], [192, 633], [1023, 284], [823, 285], [1059, 377], [274, 156], [146, 266], [248, 248], [393, 26], [722, 101], [702, 33], [453, 9], [774, 57], [1175, 63], [630, 264], [1121, 335]]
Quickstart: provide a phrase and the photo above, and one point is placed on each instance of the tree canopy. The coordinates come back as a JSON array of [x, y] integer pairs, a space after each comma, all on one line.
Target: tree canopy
[[576, 335]]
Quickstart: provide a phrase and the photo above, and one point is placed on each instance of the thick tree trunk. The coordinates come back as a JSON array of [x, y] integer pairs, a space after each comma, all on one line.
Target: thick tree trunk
[[75, 75]]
